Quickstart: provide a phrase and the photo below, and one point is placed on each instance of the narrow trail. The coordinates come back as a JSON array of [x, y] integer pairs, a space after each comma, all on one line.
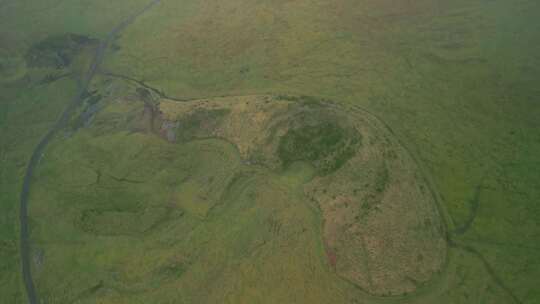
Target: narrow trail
[[158, 92], [42, 145]]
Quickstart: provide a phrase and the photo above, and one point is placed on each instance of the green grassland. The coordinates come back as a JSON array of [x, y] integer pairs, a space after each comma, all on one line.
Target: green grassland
[[120, 215]]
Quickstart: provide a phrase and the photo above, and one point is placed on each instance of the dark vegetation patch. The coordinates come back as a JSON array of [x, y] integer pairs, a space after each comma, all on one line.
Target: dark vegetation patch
[[373, 199], [303, 99], [200, 124], [50, 78], [327, 146], [381, 180], [57, 51], [172, 270]]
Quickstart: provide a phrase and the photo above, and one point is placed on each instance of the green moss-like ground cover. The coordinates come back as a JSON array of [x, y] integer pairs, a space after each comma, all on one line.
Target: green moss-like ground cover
[[327, 146]]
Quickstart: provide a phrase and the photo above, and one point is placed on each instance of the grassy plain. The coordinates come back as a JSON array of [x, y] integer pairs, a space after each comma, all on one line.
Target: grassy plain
[[456, 81]]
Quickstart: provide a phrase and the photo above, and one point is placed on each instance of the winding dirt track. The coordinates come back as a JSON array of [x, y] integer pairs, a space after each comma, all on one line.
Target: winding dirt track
[[42, 145]]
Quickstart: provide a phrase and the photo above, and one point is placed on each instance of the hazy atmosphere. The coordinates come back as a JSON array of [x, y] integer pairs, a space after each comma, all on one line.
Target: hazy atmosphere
[[284, 151]]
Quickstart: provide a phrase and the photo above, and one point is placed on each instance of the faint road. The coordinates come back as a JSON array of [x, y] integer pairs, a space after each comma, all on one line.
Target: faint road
[[42, 145]]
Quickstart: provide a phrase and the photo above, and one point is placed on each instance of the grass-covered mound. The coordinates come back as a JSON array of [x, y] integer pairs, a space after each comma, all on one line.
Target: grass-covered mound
[[161, 199]]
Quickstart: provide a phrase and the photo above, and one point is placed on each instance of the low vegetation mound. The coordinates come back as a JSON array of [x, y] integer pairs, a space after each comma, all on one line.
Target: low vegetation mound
[[326, 145]]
